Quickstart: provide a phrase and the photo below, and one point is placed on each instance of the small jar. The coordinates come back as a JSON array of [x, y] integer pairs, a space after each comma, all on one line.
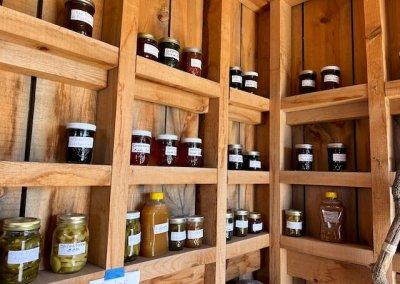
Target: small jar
[[70, 244], [140, 150], [241, 223], [229, 226], [330, 77], [252, 161], [307, 81], [192, 60], [194, 231], [250, 83], [167, 149], [80, 16], [133, 235], [304, 157], [20, 250], [294, 223], [337, 157], [147, 46], [80, 142], [169, 51], [235, 77], [190, 152], [235, 157], [255, 223], [177, 233]]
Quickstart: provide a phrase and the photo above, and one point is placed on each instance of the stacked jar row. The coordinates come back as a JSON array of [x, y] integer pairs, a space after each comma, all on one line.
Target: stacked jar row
[[237, 160], [247, 82], [240, 222], [337, 157], [330, 79]]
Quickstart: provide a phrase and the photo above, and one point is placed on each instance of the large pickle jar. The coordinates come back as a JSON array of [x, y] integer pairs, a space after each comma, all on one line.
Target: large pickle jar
[[19, 250], [70, 243], [133, 236]]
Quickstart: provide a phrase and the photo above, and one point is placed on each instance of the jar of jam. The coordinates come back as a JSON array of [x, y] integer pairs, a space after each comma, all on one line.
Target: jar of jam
[[255, 223], [241, 223], [235, 157], [235, 77], [192, 60], [80, 16], [337, 157], [330, 77], [194, 231], [250, 83], [147, 46], [252, 161], [190, 152], [169, 51], [177, 233], [80, 142], [294, 223], [229, 226], [140, 150], [167, 149], [133, 236], [304, 157], [307, 81]]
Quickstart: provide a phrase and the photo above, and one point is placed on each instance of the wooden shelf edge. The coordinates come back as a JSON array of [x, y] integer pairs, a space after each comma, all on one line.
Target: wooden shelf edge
[[248, 101], [392, 89], [248, 177], [396, 263], [255, 5], [240, 246], [293, 3]]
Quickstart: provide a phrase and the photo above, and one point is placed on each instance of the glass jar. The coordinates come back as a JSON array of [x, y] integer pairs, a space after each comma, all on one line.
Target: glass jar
[[332, 219], [235, 157], [194, 231], [70, 244], [250, 83], [252, 161], [241, 223], [133, 235], [229, 226], [169, 51], [147, 46], [166, 151], [20, 250], [294, 223], [235, 77], [80, 142], [192, 60], [190, 152], [80, 16], [255, 223], [140, 150], [337, 157], [304, 157], [307, 81], [330, 77], [177, 233]]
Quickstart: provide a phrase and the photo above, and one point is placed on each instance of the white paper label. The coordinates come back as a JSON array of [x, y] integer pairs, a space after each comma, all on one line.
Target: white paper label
[[294, 225], [134, 240], [170, 151], [71, 249], [255, 164], [178, 236], [194, 152], [242, 224], [148, 48], [237, 79], [195, 63], [79, 15], [236, 158], [80, 142], [331, 78], [160, 228], [257, 227], [339, 158], [250, 84], [305, 157], [23, 256], [331, 217], [172, 53], [229, 227], [195, 234], [141, 148], [307, 83]]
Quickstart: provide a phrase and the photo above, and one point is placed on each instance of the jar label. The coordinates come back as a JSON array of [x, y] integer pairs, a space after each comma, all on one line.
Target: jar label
[[331, 78], [194, 152], [195, 63], [236, 158], [141, 148], [330, 217], [339, 158], [250, 84], [178, 236], [294, 225], [305, 157], [71, 249], [80, 142], [237, 79], [134, 239], [148, 48], [308, 83], [229, 227], [79, 15], [22, 256], [195, 234], [160, 228], [170, 151], [242, 224], [172, 53], [257, 227], [255, 164]]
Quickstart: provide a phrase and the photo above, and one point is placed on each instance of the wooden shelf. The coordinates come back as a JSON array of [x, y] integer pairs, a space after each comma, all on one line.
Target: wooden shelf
[[37, 48], [355, 254], [248, 177], [172, 175], [255, 5], [396, 262], [347, 179], [252, 242], [393, 94], [17, 174]]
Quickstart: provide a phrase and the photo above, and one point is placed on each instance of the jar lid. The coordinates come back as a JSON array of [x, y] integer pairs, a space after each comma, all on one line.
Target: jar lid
[[255, 215], [229, 214], [71, 218], [332, 67], [235, 146], [83, 126], [156, 195], [89, 2], [330, 194], [335, 145], [306, 72], [238, 68], [250, 73], [131, 215], [195, 218], [167, 137], [303, 146], [241, 212], [191, 140], [177, 220], [21, 224], [170, 39], [192, 49], [292, 212], [146, 35], [252, 153], [141, 133]]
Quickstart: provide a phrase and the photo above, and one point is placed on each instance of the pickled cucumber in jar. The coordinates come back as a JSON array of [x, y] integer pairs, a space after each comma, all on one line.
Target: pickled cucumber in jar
[[132, 236]]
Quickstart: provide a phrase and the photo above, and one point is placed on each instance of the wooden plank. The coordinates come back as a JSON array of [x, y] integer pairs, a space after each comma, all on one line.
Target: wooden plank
[[248, 177], [255, 5], [240, 246], [246, 100], [243, 264], [396, 263], [187, 276], [293, 3], [392, 45], [248, 116]]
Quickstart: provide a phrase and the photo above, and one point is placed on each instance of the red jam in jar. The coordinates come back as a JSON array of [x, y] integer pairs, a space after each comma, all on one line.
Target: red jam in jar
[[140, 150], [192, 61], [80, 15], [330, 77], [147, 46], [166, 150], [191, 153]]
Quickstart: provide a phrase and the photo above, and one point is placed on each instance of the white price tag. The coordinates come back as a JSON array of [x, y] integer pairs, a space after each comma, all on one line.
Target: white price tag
[[242, 224], [79, 15], [339, 158], [141, 148], [257, 227], [71, 249], [305, 158], [172, 53], [80, 142], [178, 236], [294, 225], [308, 83], [236, 158], [331, 78], [250, 84], [194, 152], [237, 79], [170, 151], [255, 164], [195, 63], [148, 48], [160, 228], [22, 256], [134, 240]]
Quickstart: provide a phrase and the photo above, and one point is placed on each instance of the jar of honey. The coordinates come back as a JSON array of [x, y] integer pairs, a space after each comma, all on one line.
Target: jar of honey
[[190, 152], [194, 231], [332, 219], [80, 16], [147, 46], [140, 150], [192, 60], [166, 150]]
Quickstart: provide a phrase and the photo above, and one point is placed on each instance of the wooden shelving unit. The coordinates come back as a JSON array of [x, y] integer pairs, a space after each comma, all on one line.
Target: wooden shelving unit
[[248, 177], [241, 246]]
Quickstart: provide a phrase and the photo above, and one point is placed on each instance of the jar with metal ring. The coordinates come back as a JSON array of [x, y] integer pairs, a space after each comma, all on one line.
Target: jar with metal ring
[[337, 157], [141, 147], [80, 16], [195, 231], [235, 77], [330, 77], [252, 161], [80, 142], [169, 51], [241, 223], [255, 223], [307, 81], [294, 223], [177, 233], [250, 82], [167, 149], [147, 46], [235, 157], [191, 152], [192, 60], [133, 235], [229, 226], [304, 157]]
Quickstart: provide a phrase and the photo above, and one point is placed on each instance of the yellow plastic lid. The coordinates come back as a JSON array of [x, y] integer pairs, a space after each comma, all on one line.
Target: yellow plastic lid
[[330, 194], [156, 195]]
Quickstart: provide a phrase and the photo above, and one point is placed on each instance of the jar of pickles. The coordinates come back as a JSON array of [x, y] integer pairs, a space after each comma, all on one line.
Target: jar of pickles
[[167, 149], [194, 231], [294, 223], [20, 250], [241, 223], [141, 144], [191, 152], [177, 233], [133, 236], [70, 244], [229, 226]]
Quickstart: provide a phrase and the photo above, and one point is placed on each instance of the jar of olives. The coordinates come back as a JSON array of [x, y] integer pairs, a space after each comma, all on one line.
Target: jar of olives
[[20, 250], [177, 233], [132, 236], [70, 243], [294, 223]]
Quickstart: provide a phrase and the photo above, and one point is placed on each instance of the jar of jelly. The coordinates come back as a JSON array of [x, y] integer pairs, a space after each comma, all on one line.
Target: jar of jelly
[[140, 150], [294, 223], [190, 152], [235, 77], [235, 157], [194, 231], [252, 161], [330, 77], [337, 157], [80, 142], [255, 223], [147, 46], [307, 81], [192, 60], [304, 157], [250, 82], [167, 150], [229, 226], [177, 233], [241, 223], [133, 236], [80, 16], [169, 51]]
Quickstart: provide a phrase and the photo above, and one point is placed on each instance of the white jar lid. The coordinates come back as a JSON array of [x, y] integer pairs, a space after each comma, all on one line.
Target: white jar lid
[[303, 146], [133, 215], [83, 126], [250, 73], [167, 137], [191, 140], [332, 67], [141, 133], [335, 145]]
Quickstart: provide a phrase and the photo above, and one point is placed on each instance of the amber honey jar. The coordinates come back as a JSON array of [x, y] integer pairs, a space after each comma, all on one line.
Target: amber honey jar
[[330, 77], [250, 82], [147, 46], [337, 157], [192, 60], [194, 231], [235, 77], [166, 150], [141, 146], [307, 81], [191, 152], [80, 142], [255, 223], [332, 219], [169, 51], [80, 16]]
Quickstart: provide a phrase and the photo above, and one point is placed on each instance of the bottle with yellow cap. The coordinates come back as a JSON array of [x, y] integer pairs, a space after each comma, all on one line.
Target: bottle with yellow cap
[[154, 222], [332, 219]]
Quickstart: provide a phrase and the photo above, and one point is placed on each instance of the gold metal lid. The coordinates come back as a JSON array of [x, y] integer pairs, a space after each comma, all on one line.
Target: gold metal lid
[[292, 212], [241, 212], [238, 68], [307, 72], [146, 35], [255, 215], [251, 153], [192, 49], [235, 146], [21, 224], [71, 218], [229, 214], [177, 220], [89, 2], [195, 218]]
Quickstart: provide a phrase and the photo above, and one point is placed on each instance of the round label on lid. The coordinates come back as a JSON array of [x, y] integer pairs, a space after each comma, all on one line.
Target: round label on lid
[[167, 137], [191, 140], [132, 215], [141, 133], [82, 126]]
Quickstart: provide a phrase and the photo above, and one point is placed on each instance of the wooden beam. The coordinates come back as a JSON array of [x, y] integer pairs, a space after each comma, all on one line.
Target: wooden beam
[[248, 177], [255, 5], [240, 246], [246, 100], [295, 2], [244, 115], [243, 264]]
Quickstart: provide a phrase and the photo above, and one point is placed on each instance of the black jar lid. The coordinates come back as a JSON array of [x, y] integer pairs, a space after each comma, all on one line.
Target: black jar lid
[[192, 49], [237, 68], [303, 146], [170, 39], [251, 73], [255, 215], [307, 72], [235, 146], [241, 212], [252, 153], [335, 145], [89, 2], [177, 220], [146, 35], [331, 67]]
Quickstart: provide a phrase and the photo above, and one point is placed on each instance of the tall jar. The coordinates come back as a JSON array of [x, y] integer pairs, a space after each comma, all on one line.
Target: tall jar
[[141, 147], [235, 77], [80, 16], [167, 150], [20, 250], [133, 236], [177, 233], [191, 152], [241, 223], [169, 51], [194, 231], [229, 226], [235, 157], [332, 219]]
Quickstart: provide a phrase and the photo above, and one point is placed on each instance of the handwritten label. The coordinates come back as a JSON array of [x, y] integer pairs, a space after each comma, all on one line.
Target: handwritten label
[[308, 83], [195, 234], [80, 142], [237, 79], [339, 158], [195, 63], [141, 148], [257, 227], [250, 84], [178, 236], [170, 151], [194, 152], [79, 15], [134, 240], [23, 256], [160, 228], [235, 158], [331, 78], [294, 225], [305, 157], [255, 164], [71, 249], [172, 53], [148, 48], [242, 224], [229, 227]]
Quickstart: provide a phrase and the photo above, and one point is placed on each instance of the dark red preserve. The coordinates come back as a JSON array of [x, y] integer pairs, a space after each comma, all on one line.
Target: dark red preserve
[[147, 46], [191, 152], [141, 147], [166, 150], [192, 61], [80, 16]]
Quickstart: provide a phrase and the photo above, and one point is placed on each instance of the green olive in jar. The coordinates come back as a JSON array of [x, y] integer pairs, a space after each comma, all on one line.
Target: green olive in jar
[[133, 236]]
